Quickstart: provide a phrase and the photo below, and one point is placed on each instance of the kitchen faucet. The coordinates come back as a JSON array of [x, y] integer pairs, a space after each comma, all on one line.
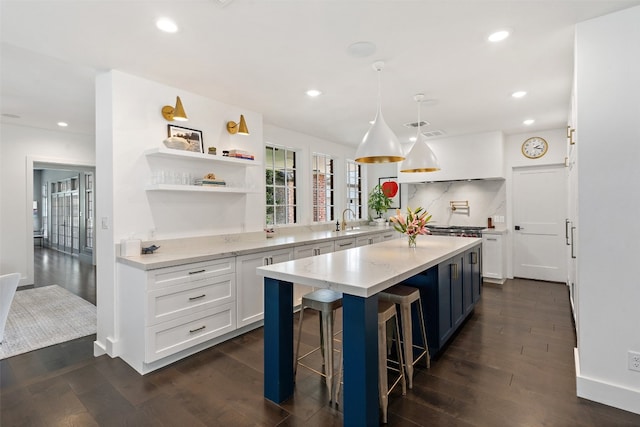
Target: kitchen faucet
[[344, 222]]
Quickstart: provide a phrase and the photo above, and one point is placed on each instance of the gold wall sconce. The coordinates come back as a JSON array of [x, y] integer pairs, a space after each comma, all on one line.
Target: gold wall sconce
[[239, 128], [175, 113]]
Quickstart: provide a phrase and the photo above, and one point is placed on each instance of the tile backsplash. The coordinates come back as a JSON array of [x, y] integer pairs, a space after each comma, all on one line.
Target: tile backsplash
[[486, 199]]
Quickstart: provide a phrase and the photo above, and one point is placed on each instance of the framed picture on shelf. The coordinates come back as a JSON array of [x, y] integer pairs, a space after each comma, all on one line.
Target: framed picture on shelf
[[193, 137], [391, 189]]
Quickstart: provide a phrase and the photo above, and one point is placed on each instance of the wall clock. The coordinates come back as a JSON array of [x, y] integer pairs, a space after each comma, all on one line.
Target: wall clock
[[534, 147]]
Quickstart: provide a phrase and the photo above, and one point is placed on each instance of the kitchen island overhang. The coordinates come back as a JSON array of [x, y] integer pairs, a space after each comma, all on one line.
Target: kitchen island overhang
[[359, 273]]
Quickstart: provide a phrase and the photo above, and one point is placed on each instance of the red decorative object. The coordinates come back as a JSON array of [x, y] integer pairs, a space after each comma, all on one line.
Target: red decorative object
[[390, 188]]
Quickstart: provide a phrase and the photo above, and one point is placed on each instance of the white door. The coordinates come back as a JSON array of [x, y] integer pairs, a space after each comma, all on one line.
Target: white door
[[540, 201]]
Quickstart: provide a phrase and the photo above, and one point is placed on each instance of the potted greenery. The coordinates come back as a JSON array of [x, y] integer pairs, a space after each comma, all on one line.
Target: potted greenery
[[379, 202]]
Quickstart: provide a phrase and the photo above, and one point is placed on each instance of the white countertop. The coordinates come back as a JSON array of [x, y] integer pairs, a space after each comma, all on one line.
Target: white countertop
[[496, 230], [367, 270], [197, 249]]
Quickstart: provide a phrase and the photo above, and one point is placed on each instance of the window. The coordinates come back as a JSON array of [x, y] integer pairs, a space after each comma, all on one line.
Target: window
[[354, 188], [323, 203], [280, 168]]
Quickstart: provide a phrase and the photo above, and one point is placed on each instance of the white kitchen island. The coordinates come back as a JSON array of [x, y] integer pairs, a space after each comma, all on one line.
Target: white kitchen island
[[359, 273]]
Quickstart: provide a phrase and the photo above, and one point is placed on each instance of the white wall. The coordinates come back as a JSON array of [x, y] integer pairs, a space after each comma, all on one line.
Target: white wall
[[20, 146], [608, 297]]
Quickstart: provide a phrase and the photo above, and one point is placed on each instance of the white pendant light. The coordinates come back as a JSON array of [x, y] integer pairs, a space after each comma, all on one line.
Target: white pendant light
[[420, 157], [380, 144]]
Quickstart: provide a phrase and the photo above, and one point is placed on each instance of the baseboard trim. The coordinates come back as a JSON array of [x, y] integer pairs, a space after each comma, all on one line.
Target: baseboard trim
[[606, 393], [98, 349]]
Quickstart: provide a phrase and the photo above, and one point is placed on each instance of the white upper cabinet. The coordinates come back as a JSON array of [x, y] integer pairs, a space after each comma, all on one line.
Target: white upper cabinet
[[477, 156]]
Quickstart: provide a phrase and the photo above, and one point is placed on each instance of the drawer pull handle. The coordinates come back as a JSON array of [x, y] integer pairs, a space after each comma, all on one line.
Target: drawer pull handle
[[196, 329], [198, 297], [492, 239], [345, 244], [197, 272]]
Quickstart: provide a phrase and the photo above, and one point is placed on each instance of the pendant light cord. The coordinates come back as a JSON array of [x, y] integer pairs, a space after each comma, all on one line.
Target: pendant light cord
[[379, 90]]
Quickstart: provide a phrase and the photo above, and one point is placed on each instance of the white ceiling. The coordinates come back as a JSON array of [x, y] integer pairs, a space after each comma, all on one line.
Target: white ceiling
[[263, 55]]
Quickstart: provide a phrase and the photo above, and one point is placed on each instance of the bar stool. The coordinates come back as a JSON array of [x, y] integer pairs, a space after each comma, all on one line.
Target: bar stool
[[405, 296], [386, 312], [326, 302]]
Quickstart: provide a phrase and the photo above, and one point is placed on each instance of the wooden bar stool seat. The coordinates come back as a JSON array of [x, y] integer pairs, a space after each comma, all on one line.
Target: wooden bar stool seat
[[325, 302], [404, 296]]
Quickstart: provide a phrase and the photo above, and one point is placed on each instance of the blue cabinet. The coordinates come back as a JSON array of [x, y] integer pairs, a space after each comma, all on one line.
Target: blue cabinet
[[471, 278], [449, 292]]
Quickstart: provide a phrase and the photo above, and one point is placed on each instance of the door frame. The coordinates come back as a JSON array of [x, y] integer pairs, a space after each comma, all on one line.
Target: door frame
[[48, 163], [511, 258]]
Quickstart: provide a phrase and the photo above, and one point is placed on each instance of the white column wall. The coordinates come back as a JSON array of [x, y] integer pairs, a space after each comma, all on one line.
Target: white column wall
[[128, 122], [608, 114]]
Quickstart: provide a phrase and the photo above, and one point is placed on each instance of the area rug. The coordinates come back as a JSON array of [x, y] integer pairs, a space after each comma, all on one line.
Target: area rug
[[41, 317]]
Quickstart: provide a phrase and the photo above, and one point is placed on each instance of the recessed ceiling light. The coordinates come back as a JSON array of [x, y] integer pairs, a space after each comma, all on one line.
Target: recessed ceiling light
[[313, 93], [166, 25], [528, 122], [498, 36], [519, 94], [63, 124], [413, 139], [361, 49]]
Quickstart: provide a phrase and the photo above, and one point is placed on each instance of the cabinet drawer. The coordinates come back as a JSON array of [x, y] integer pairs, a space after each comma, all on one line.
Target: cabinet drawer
[[173, 336], [172, 302], [344, 244], [191, 273]]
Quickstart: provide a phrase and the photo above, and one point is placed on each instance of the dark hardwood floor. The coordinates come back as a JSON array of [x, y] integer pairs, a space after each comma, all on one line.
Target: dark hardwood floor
[[52, 267], [511, 365]]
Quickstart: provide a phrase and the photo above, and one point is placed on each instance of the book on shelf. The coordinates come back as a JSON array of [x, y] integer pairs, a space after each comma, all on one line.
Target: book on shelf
[[242, 156], [209, 182]]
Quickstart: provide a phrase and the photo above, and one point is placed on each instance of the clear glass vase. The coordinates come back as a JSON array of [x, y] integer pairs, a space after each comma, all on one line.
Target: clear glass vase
[[412, 240]]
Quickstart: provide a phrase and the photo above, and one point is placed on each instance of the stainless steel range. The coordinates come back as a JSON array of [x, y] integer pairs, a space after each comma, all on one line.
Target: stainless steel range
[[456, 230]]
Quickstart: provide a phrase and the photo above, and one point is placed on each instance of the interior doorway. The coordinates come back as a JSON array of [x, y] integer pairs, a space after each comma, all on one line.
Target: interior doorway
[[64, 216], [539, 212]]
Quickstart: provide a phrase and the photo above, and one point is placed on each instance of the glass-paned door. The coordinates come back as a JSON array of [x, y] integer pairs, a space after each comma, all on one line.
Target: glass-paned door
[[88, 200], [67, 222], [65, 216], [54, 219], [75, 221], [61, 221]]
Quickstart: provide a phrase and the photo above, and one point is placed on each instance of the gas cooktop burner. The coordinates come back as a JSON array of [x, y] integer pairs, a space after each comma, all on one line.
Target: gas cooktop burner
[[456, 230], [456, 227]]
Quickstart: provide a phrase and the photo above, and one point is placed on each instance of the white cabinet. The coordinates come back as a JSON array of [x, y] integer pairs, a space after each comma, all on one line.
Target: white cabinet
[[477, 156], [305, 251], [166, 311], [368, 240], [250, 291], [389, 235], [345, 243], [166, 314], [493, 253]]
